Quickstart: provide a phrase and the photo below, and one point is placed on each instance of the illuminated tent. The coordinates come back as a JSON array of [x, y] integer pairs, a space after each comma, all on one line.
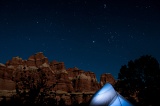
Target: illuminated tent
[[107, 96]]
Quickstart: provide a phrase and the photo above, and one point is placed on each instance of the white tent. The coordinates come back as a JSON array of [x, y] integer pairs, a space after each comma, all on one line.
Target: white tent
[[107, 96]]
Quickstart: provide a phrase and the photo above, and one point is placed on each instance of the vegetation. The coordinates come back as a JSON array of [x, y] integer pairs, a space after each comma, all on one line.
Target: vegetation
[[139, 81], [32, 86], [31, 89]]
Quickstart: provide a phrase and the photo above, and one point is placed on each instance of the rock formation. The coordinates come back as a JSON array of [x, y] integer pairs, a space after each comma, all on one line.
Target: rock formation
[[107, 77], [70, 84]]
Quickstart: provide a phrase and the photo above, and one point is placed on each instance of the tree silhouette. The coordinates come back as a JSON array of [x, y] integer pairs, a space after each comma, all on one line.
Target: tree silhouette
[[32, 87], [139, 81]]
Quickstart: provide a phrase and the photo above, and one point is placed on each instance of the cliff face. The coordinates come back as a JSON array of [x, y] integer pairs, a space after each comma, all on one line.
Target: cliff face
[[73, 80], [107, 77]]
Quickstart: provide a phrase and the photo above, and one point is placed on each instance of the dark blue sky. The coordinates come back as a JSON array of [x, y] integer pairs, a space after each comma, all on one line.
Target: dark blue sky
[[93, 35]]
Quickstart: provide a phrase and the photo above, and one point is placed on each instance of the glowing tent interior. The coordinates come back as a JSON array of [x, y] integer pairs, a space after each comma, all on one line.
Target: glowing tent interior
[[107, 96]]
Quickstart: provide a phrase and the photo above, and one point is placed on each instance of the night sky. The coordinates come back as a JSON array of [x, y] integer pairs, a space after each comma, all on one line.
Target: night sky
[[93, 35]]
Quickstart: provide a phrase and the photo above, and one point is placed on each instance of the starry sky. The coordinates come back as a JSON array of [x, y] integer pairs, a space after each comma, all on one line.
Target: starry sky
[[93, 35]]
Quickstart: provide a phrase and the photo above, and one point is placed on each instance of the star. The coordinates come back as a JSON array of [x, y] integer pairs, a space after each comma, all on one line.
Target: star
[[105, 5]]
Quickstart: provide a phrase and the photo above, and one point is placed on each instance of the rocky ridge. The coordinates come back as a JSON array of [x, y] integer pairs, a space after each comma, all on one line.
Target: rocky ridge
[[71, 81]]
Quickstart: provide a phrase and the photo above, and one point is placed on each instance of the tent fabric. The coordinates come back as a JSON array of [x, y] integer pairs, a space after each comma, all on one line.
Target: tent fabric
[[107, 96]]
